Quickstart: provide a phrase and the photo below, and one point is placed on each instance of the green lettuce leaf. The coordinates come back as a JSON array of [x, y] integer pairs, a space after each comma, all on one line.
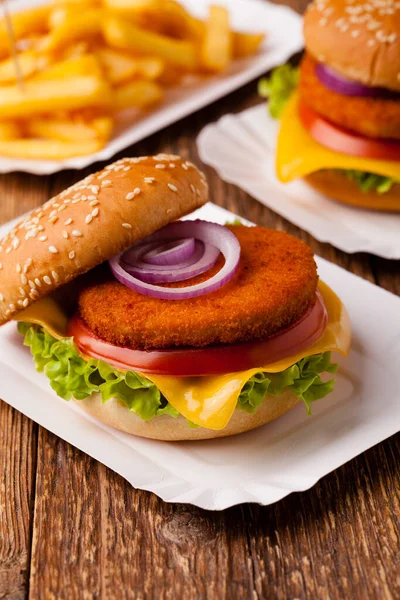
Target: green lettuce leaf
[[72, 376], [370, 181], [278, 88]]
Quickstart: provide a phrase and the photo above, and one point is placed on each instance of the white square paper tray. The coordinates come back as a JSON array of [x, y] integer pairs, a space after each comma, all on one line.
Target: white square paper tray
[[242, 150], [264, 465]]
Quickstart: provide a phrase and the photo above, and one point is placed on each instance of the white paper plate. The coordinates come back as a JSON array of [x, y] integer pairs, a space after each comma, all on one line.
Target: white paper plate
[[265, 465], [242, 150], [284, 38]]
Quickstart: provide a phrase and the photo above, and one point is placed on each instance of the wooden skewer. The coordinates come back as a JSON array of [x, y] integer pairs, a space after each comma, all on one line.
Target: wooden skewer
[[11, 35]]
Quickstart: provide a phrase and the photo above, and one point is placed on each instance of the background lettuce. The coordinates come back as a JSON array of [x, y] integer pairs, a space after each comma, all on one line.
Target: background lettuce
[[72, 376], [278, 87]]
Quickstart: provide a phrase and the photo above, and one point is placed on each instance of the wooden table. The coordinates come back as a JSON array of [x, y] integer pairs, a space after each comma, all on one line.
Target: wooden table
[[71, 528]]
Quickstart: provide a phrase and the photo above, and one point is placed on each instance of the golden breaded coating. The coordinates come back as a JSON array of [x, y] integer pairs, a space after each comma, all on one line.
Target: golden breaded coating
[[275, 283], [373, 117]]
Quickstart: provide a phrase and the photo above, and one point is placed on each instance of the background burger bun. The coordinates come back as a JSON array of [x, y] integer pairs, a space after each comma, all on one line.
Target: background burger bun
[[360, 40], [115, 414], [339, 187], [92, 221]]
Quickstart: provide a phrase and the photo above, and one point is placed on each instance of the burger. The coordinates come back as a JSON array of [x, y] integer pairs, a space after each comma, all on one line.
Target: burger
[[340, 113], [164, 328]]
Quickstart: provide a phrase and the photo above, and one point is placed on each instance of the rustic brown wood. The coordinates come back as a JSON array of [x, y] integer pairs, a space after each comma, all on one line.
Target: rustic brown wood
[[71, 528]]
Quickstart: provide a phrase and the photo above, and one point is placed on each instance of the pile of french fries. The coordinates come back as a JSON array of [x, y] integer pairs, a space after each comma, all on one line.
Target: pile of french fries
[[82, 61]]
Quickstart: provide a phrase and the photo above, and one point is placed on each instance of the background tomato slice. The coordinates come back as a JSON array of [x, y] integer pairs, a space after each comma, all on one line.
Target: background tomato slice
[[342, 140], [215, 360]]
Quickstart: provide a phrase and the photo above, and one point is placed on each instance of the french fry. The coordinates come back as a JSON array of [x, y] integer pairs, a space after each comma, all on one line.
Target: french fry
[[29, 63], [75, 27], [216, 53], [120, 34], [73, 67], [104, 127], [139, 94], [66, 130], [40, 97], [118, 66], [38, 149], [133, 5], [170, 76], [246, 44], [9, 130], [25, 24]]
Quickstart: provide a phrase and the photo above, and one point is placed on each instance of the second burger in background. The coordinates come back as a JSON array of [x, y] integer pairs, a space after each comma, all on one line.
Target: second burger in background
[[340, 114]]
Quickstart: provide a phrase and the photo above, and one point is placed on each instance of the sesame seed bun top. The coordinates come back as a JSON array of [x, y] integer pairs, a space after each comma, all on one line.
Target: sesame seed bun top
[[92, 221], [359, 39]]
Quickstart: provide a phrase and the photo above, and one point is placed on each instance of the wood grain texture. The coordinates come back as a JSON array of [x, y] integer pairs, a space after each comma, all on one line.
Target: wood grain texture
[[71, 528]]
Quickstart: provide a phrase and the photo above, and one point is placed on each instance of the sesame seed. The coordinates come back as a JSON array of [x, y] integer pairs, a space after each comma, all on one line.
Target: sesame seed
[[18, 268], [137, 191], [53, 249], [76, 196], [77, 233], [184, 167], [28, 262], [20, 303], [92, 198], [1, 298], [55, 275], [172, 165], [31, 284], [126, 169], [1, 266], [95, 212], [11, 306], [62, 207], [149, 179], [355, 33], [127, 225], [22, 291], [38, 282], [65, 234], [172, 187], [83, 198], [40, 228], [192, 188], [53, 219], [71, 255], [94, 203], [53, 213], [68, 222], [95, 189], [25, 303], [47, 280], [76, 201], [67, 201], [129, 196], [8, 312], [34, 294], [43, 238], [198, 192], [88, 219], [160, 166], [8, 250], [24, 279], [105, 183]]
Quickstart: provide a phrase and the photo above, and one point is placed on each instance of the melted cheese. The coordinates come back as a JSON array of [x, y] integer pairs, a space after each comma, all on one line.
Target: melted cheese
[[298, 155], [210, 401]]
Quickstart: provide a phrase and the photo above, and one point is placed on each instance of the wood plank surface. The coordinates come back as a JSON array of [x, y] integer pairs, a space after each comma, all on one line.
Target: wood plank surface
[[71, 528]]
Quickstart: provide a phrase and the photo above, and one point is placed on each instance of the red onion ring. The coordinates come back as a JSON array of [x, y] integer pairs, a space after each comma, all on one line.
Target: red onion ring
[[171, 253], [215, 239], [203, 259], [332, 80]]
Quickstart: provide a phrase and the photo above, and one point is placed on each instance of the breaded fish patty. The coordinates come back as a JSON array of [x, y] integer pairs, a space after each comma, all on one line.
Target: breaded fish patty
[[275, 284], [372, 117]]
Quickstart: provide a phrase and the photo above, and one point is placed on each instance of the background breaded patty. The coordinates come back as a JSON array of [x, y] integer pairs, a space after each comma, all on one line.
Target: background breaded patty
[[274, 285], [372, 117]]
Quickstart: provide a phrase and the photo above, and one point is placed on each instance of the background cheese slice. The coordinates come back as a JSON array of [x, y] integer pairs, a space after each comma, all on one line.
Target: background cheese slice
[[298, 155], [210, 401]]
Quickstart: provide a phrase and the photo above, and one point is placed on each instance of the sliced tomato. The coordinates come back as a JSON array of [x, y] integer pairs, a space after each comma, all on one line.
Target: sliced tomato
[[342, 140], [214, 360]]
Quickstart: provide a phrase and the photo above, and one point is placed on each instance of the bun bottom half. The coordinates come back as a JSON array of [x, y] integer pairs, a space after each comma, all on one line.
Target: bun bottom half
[[166, 428], [338, 187]]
